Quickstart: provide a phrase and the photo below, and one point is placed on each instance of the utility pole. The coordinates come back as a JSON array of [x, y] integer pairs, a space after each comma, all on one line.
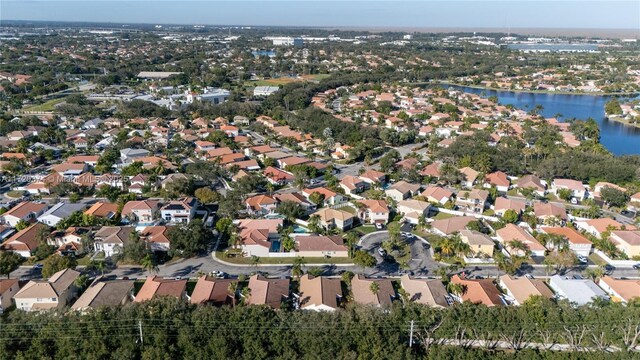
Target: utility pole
[[411, 335], [140, 330]]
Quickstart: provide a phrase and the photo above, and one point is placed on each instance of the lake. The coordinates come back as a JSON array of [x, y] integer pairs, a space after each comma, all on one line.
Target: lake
[[620, 139]]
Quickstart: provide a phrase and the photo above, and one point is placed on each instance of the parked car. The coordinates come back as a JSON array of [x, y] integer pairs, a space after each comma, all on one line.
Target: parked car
[[37, 266], [382, 252], [379, 226], [636, 266], [609, 268], [583, 259]]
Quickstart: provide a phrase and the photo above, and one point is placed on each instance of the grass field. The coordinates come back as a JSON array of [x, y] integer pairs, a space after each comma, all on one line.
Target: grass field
[[15, 194], [442, 216], [47, 106], [286, 80]]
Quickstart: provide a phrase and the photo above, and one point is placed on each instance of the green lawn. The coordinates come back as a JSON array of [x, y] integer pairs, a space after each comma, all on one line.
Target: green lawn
[[348, 209], [597, 259], [15, 194], [363, 230], [284, 261], [404, 259], [442, 216], [47, 106]]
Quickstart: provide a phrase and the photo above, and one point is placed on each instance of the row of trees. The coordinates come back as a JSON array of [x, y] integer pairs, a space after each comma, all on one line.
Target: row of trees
[[169, 329]]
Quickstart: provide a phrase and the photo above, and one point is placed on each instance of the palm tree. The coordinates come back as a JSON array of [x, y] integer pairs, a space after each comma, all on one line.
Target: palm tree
[[245, 293], [233, 289], [296, 269], [235, 239], [457, 289], [98, 265], [255, 260], [149, 263], [520, 247], [447, 246], [352, 240]]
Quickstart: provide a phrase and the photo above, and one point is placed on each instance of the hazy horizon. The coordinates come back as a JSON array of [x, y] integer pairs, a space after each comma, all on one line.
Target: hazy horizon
[[496, 15]]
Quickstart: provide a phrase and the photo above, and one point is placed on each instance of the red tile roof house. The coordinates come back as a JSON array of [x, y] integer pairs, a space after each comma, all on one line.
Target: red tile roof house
[[156, 286], [297, 198], [503, 204], [27, 211], [24, 242], [437, 194], [373, 211], [544, 212], [373, 177], [499, 180], [142, 212], [330, 197], [277, 176], [577, 189], [513, 232], [258, 235], [353, 184], [156, 237], [532, 182], [213, 291], [577, 243], [320, 246], [319, 293], [473, 200], [452, 225], [362, 294], [261, 205], [596, 227], [479, 291], [270, 292]]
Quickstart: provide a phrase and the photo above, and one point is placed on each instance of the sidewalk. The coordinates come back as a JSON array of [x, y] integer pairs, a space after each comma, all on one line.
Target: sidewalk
[[217, 259]]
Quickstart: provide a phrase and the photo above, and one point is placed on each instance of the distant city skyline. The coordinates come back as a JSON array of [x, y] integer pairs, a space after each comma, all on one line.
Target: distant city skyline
[[504, 15]]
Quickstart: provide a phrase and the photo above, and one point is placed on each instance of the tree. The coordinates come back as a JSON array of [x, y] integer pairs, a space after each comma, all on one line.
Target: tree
[[224, 225], [81, 281], [55, 263], [290, 210], [187, 240], [233, 290], [207, 196], [565, 194], [135, 249], [21, 225], [364, 259], [594, 273], [314, 224], [374, 287], [346, 277], [148, 262], [510, 216], [613, 196], [456, 289], [9, 262], [255, 261], [351, 241], [317, 198], [296, 268], [612, 107]]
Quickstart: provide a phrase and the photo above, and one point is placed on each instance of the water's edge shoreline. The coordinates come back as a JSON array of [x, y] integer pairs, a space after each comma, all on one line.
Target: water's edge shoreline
[[627, 94]]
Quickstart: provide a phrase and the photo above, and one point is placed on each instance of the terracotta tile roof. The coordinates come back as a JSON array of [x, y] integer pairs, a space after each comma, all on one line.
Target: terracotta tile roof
[[452, 225], [479, 291], [320, 243], [25, 208], [513, 232], [362, 294], [626, 288], [25, 239], [572, 235], [212, 290], [268, 292], [429, 292], [319, 291], [523, 288], [377, 206], [102, 209], [157, 286]]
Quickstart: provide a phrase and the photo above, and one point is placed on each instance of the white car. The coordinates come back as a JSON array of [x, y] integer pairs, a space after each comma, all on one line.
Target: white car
[[582, 259]]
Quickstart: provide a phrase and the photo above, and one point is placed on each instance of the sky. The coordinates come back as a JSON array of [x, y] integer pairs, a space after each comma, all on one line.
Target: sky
[[501, 14]]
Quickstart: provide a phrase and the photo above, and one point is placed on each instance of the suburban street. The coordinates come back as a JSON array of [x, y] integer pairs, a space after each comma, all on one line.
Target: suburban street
[[421, 264]]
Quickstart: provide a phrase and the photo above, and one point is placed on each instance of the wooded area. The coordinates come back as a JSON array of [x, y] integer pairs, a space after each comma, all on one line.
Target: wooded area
[[173, 329]]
